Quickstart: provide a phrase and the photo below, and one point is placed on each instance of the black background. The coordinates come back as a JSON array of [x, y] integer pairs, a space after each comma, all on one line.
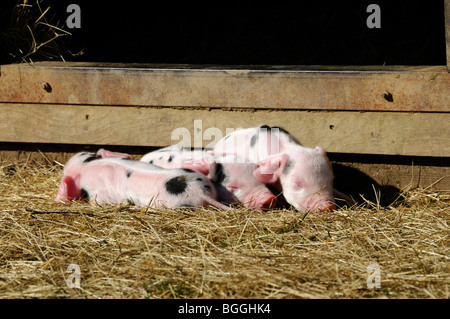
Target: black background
[[258, 33]]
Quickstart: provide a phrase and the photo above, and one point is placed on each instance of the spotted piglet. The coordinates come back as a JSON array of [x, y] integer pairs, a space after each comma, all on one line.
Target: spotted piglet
[[115, 179], [231, 175], [174, 156], [303, 174]]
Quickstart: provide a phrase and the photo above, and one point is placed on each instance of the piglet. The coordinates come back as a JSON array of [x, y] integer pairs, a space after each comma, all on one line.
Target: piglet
[[237, 178], [231, 175], [303, 174], [115, 179], [173, 156]]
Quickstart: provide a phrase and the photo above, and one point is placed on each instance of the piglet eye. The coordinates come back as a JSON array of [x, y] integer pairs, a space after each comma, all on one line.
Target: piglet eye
[[298, 184]]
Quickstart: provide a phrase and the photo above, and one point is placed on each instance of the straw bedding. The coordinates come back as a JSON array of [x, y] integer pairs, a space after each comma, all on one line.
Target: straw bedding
[[129, 252]]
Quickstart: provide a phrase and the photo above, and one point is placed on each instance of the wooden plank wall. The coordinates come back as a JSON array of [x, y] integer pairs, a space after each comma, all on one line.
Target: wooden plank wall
[[398, 133], [395, 111], [367, 111], [401, 88]]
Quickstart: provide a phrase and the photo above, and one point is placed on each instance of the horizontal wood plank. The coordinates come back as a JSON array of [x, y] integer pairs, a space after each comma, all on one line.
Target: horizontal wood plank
[[422, 89], [394, 133]]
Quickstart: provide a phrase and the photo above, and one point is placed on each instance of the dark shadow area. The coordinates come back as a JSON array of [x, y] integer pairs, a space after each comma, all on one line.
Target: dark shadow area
[[69, 148], [323, 32], [354, 182], [61, 152], [390, 159], [360, 186]]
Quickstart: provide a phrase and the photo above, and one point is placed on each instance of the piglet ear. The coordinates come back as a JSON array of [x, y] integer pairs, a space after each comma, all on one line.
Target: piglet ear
[[203, 166], [67, 190], [105, 153], [270, 169], [322, 151]]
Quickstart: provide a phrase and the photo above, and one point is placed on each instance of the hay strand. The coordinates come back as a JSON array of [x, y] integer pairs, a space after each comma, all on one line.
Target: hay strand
[[35, 33], [129, 252]]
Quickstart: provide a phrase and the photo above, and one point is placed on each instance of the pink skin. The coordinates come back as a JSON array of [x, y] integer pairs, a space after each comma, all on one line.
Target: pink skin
[[303, 174], [69, 188], [239, 180], [115, 180], [238, 183], [174, 156], [105, 154]]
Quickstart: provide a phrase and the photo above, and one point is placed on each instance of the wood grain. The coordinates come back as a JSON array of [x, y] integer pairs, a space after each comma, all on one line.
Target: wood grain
[[393, 133], [401, 88]]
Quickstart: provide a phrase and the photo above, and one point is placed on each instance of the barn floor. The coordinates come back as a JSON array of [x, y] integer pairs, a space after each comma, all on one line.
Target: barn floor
[[128, 252]]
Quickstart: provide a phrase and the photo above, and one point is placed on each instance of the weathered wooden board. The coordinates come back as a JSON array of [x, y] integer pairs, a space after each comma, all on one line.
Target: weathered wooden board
[[393, 133], [423, 89]]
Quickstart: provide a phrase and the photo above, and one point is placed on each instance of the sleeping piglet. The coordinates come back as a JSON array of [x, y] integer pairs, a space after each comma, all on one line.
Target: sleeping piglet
[[303, 174], [232, 176], [114, 178]]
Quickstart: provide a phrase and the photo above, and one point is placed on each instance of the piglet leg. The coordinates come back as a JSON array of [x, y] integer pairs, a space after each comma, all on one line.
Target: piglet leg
[[215, 203], [67, 190], [105, 153]]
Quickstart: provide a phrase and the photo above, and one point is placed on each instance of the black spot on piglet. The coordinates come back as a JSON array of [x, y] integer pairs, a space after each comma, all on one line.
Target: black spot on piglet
[[91, 158], [176, 185], [280, 129], [207, 189], [219, 175], [84, 194], [253, 140]]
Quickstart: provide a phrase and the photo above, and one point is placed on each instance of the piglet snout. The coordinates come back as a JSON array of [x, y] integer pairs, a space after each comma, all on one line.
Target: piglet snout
[[263, 202], [327, 207], [321, 203], [269, 202]]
